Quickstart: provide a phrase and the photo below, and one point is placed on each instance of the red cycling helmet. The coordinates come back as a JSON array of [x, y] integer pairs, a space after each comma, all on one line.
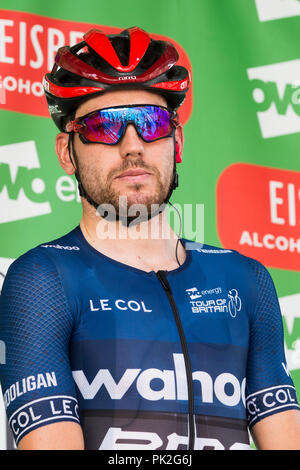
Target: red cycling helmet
[[131, 59]]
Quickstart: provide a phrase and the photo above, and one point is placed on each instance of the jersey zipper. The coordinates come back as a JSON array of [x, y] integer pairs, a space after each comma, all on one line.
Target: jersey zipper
[[161, 275]]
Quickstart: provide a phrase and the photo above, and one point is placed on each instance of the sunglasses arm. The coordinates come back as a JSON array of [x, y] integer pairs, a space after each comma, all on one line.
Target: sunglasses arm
[[175, 120]]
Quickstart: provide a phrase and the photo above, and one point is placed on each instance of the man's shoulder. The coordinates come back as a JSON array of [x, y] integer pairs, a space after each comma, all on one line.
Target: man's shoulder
[[45, 254], [225, 256], [40, 276], [65, 243]]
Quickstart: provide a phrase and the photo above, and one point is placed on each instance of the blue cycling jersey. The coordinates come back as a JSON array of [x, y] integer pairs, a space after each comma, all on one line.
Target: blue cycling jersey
[[189, 358]]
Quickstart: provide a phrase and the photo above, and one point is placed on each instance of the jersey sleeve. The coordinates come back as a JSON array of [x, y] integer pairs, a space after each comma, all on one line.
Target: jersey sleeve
[[269, 388], [35, 328]]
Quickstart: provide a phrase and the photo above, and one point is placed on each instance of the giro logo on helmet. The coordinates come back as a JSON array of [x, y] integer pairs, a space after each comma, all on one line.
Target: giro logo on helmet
[[128, 77]]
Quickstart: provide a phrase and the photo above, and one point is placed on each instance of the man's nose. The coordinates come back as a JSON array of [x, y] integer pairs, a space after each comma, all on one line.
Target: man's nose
[[131, 144]]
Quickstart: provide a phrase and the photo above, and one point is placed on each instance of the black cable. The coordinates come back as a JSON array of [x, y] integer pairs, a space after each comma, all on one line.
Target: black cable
[[178, 234]]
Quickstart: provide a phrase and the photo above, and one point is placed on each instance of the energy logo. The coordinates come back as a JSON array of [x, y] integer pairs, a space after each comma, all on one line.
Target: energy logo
[[21, 188], [193, 293], [276, 93], [275, 9]]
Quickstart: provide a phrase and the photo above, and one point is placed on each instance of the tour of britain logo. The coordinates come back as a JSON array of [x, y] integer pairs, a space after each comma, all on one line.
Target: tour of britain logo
[[230, 303]]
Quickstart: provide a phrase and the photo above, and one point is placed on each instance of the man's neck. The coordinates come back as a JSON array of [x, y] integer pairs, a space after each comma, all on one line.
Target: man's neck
[[150, 245]]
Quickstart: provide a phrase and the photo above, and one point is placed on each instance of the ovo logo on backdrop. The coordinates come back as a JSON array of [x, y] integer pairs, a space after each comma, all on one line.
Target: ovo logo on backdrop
[[23, 192], [275, 9], [276, 93], [21, 188]]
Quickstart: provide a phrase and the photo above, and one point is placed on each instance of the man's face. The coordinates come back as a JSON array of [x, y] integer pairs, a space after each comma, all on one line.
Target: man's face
[[140, 171]]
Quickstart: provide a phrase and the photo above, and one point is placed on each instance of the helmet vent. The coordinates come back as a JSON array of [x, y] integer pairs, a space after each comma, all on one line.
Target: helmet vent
[[154, 51], [93, 59], [121, 45]]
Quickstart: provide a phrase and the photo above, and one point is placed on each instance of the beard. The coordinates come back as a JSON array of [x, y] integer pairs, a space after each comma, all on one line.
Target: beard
[[100, 190]]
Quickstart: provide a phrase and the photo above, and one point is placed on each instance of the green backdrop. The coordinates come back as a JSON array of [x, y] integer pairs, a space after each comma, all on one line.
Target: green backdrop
[[245, 59]]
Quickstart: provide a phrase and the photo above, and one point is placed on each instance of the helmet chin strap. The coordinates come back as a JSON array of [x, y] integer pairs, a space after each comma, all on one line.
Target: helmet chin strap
[[112, 216]]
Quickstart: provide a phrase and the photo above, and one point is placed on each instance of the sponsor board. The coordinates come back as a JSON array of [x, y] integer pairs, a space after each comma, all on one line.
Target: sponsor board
[[4, 265], [28, 46], [21, 188], [3, 443], [275, 9], [6, 437], [258, 213], [276, 93], [6, 440], [290, 308], [24, 191]]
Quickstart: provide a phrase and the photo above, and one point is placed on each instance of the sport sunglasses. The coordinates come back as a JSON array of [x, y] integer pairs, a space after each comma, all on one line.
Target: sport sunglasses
[[108, 125]]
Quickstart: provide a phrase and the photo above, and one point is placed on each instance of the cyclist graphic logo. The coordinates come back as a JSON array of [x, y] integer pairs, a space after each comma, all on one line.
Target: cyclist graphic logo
[[234, 302]]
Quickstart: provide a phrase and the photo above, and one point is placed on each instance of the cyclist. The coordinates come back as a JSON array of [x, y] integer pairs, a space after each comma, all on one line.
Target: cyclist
[[120, 342]]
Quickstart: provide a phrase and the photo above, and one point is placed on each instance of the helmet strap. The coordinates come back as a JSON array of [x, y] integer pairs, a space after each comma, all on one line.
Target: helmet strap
[[82, 191]]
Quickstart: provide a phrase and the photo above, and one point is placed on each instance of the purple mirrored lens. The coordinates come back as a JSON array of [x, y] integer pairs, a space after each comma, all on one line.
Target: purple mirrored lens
[[108, 125], [100, 128], [156, 123]]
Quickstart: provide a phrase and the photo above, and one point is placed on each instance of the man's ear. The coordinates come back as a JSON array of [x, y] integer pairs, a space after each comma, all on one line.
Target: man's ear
[[179, 139], [62, 152]]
